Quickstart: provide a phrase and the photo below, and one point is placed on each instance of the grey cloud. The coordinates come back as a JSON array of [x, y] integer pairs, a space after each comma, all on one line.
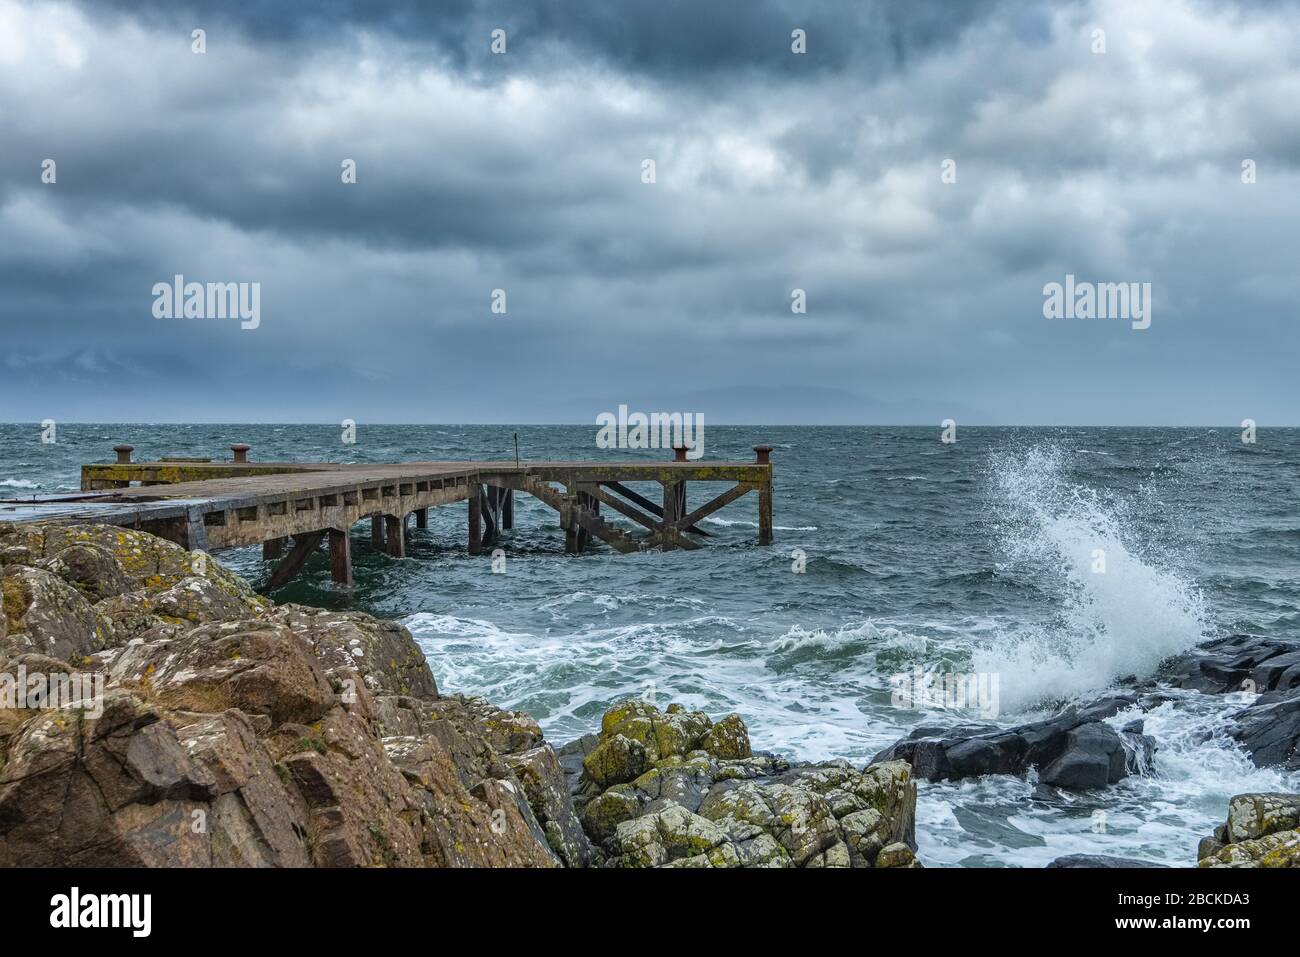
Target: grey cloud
[[773, 173]]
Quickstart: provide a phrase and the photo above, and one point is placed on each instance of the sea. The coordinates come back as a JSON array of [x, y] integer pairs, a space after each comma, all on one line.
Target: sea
[[1048, 563]]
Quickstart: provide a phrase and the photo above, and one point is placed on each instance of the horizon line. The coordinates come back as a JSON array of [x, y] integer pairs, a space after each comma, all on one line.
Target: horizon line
[[780, 425]]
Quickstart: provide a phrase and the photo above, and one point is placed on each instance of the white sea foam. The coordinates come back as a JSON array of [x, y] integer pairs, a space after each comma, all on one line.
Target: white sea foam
[[714, 520], [1156, 817], [18, 483], [1121, 621]]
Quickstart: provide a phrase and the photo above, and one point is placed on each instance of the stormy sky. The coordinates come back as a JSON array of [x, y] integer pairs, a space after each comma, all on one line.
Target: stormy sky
[[774, 171]]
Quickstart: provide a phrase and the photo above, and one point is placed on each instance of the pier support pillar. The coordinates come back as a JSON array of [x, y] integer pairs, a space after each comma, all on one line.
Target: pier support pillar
[[674, 509], [421, 518], [340, 556], [508, 511], [491, 512], [475, 520], [394, 533], [377, 532], [291, 564], [272, 549], [589, 503], [763, 456], [765, 515]]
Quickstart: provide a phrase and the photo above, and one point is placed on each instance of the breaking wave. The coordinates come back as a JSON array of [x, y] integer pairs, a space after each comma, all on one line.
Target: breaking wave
[[1119, 610]]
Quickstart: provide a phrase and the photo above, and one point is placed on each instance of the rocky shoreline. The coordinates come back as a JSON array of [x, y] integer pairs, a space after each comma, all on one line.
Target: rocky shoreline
[[227, 730]]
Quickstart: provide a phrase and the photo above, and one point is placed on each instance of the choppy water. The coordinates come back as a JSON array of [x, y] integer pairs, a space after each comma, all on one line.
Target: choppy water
[[972, 557]]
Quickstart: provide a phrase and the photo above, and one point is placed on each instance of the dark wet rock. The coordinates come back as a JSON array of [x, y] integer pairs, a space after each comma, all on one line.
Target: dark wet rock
[[1100, 861], [1073, 749], [572, 755], [1235, 663], [1093, 756], [1269, 729], [1262, 830]]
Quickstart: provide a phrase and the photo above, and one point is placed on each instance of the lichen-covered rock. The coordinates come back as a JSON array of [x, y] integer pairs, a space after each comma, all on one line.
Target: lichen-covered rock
[[475, 825], [728, 739], [1272, 850], [197, 599], [1262, 830], [763, 812], [259, 667], [254, 821], [382, 652], [897, 855], [662, 734], [616, 760], [1254, 815], [508, 732], [129, 615], [91, 569], [45, 615], [604, 813], [150, 562], [669, 835], [117, 790], [539, 771]]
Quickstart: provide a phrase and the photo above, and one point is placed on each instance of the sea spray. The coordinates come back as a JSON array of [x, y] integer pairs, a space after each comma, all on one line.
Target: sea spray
[[1118, 611]]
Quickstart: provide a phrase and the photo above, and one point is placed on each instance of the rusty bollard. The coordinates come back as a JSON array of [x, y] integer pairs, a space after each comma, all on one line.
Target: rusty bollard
[[679, 452], [124, 453], [241, 452], [763, 452]]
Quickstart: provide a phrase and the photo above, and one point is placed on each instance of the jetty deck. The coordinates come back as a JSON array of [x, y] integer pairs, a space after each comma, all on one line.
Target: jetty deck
[[293, 508]]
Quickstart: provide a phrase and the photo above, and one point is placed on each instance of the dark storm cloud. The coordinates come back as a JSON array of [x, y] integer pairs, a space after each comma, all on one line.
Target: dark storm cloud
[[523, 172], [665, 38]]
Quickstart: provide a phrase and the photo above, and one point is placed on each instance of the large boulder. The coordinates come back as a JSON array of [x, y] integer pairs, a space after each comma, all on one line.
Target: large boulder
[[1074, 749], [1262, 830], [1093, 756]]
